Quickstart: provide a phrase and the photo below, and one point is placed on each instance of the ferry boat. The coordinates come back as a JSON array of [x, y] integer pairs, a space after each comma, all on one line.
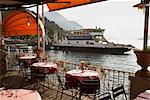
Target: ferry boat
[[92, 40]]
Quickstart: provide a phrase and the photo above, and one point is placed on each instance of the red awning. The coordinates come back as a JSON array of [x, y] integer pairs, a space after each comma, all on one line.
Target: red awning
[[16, 22], [20, 23], [63, 4], [18, 3]]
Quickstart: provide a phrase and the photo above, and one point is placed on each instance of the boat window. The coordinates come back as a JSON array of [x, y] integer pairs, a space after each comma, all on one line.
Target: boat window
[[91, 42], [98, 37], [87, 42], [100, 42], [104, 42]]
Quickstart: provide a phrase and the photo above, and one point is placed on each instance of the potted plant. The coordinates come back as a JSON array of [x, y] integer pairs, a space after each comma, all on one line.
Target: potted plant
[[143, 59]]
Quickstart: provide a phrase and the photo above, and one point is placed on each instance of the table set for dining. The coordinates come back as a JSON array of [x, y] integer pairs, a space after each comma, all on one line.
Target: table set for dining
[[48, 67], [84, 81], [144, 95], [76, 76], [27, 59], [19, 94], [73, 77], [82, 73], [42, 65]]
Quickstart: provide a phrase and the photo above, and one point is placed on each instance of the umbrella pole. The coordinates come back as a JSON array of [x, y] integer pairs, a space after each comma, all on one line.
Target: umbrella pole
[[146, 26], [37, 20], [43, 31]]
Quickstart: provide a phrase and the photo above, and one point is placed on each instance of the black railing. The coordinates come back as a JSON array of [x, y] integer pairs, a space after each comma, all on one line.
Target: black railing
[[109, 77]]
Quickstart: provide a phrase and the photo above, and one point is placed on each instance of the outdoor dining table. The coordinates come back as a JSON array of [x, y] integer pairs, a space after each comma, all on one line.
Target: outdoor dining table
[[19, 94], [73, 77], [27, 58], [47, 67], [144, 95]]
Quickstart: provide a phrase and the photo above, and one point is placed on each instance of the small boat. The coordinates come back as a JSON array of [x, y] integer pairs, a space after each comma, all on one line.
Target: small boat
[[91, 40]]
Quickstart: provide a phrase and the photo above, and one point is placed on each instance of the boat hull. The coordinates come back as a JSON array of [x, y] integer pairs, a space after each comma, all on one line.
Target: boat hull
[[104, 50]]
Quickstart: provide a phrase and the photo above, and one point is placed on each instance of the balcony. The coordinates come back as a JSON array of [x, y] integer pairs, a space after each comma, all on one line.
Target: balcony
[[48, 87]]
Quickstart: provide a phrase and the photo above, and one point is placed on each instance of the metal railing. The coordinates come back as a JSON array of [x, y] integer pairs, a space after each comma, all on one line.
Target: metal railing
[[108, 77]]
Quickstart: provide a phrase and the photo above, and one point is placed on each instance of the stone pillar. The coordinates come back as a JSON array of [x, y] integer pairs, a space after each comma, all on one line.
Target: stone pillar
[[138, 85]]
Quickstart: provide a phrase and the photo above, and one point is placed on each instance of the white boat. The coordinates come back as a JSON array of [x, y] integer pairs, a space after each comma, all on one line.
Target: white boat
[[92, 40]]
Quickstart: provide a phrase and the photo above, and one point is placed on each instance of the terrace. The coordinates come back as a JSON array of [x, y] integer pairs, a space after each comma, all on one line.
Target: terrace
[[20, 76]]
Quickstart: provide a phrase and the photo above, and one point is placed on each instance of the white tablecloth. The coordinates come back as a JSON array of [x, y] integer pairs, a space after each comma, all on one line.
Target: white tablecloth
[[44, 64], [84, 73], [27, 57], [19, 94], [144, 96]]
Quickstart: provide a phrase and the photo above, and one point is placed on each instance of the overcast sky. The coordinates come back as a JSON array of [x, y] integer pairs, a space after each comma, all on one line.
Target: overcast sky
[[117, 17]]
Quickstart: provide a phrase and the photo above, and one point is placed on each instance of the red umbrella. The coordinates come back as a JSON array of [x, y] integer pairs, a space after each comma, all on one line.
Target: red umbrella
[[63, 4], [20, 23]]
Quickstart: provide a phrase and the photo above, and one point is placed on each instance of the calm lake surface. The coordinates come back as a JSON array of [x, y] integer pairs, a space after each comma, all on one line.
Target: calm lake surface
[[119, 62]]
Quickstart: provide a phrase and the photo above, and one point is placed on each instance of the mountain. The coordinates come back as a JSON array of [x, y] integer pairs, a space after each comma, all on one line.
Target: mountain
[[62, 21]]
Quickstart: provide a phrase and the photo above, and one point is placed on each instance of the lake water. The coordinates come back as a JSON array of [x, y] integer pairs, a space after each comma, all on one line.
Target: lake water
[[119, 62]]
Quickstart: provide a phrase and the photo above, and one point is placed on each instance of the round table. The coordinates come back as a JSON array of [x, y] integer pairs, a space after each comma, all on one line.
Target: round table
[[144, 95], [77, 75], [47, 67], [27, 57], [19, 94], [82, 73]]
